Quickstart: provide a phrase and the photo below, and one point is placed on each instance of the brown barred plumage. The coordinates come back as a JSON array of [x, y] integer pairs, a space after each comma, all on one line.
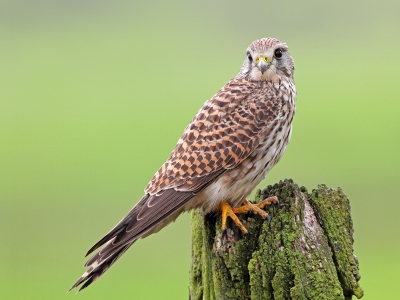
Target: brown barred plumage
[[225, 151]]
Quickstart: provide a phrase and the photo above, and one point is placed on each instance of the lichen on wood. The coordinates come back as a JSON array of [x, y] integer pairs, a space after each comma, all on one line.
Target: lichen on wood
[[305, 252]]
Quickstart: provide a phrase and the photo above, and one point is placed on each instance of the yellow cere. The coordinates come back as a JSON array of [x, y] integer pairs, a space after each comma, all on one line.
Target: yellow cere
[[262, 58]]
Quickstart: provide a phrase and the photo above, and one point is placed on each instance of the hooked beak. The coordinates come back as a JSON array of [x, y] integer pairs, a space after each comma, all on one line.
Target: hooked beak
[[262, 64]]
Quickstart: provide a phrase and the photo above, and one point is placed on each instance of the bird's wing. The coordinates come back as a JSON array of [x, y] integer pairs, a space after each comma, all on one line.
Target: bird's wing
[[219, 137], [222, 134]]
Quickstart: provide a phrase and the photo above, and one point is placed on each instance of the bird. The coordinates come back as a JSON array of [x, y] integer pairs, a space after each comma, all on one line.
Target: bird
[[226, 150]]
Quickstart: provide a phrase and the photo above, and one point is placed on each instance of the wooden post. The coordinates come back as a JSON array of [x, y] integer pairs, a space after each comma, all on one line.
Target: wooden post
[[306, 252]]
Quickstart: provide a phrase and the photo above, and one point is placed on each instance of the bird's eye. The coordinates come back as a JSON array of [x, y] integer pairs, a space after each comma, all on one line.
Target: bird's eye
[[278, 53], [249, 57]]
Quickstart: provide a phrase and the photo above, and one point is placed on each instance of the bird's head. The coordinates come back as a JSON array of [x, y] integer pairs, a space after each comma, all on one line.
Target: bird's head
[[267, 59]]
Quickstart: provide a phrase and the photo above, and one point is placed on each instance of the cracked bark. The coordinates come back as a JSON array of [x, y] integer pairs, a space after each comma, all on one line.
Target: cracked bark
[[306, 252]]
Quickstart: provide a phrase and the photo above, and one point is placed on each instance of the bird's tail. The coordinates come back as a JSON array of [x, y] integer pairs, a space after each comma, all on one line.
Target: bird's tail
[[148, 216], [100, 262], [98, 268]]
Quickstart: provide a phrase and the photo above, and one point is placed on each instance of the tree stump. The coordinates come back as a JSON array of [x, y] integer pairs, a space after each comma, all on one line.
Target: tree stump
[[305, 252]]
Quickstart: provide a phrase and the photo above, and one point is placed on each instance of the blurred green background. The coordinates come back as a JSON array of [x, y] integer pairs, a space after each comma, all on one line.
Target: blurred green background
[[95, 94]]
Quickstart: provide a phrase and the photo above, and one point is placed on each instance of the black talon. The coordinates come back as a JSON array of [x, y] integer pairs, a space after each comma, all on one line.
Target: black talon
[[268, 217]]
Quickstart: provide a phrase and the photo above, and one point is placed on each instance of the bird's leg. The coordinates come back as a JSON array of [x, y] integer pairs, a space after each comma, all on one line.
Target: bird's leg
[[256, 208], [267, 201], [228, 211]]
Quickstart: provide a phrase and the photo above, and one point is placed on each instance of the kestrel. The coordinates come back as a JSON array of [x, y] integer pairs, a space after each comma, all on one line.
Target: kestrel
[[226, 150]]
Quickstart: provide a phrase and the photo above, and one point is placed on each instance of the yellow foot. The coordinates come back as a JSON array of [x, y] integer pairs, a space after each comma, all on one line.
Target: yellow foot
[[228, 211]]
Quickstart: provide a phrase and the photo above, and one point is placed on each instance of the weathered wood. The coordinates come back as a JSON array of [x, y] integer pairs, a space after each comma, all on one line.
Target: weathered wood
[[306, 252]]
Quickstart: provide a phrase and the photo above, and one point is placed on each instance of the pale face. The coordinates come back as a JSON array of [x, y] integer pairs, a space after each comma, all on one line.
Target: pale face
[[267, 59]]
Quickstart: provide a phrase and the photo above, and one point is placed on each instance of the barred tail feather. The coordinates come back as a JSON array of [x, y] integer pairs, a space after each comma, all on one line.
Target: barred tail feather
[[98, 269], [150, 213]]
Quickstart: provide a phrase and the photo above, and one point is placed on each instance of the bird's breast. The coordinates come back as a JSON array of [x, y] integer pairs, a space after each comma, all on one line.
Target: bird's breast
[[237, 183]]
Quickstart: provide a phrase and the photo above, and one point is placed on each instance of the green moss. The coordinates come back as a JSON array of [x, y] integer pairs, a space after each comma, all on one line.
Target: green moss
[[333, 209], [196, 272], [290, 258], [232, 252]]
